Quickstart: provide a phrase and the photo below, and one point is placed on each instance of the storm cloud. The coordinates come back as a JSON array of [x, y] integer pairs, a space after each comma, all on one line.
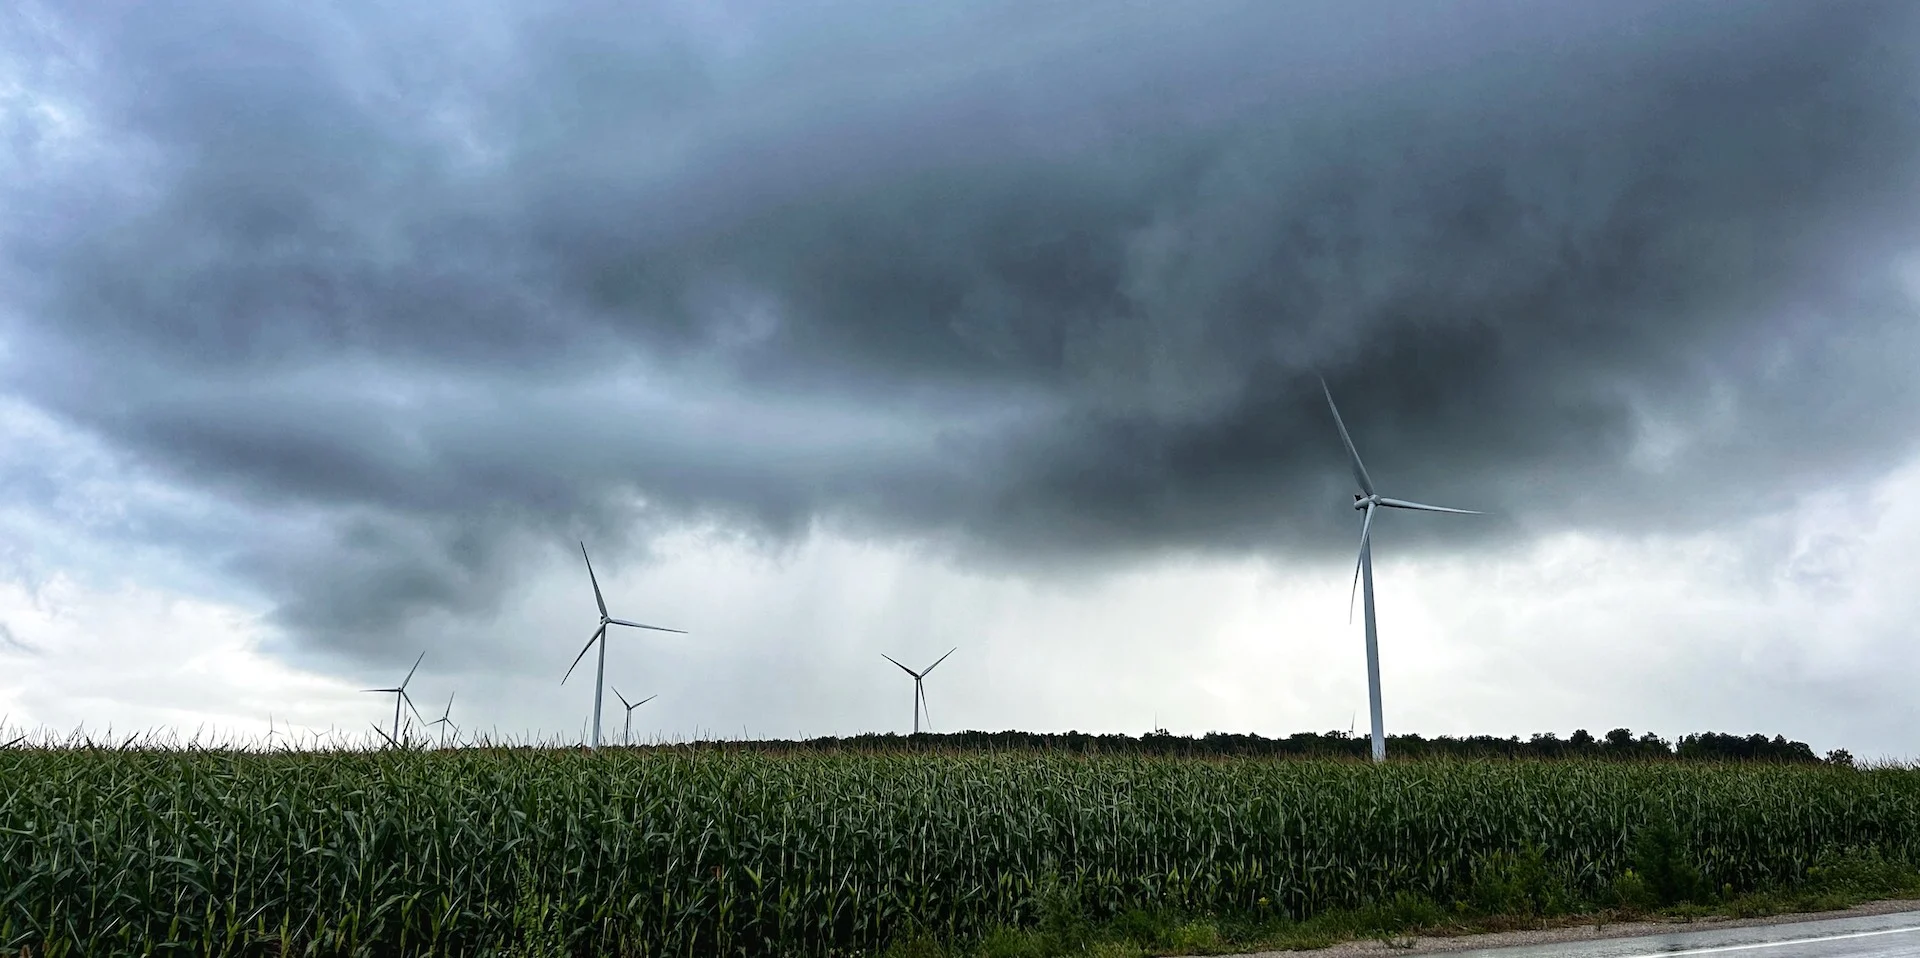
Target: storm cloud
[[425, 289]]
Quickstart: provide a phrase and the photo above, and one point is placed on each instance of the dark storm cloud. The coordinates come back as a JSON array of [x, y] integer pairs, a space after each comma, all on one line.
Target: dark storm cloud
[[1047, 278]]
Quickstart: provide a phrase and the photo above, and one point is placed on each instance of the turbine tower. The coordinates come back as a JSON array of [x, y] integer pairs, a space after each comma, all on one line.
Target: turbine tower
[[626, 738], [919, 690], [400, 695], [1367, 500], [600, 636]]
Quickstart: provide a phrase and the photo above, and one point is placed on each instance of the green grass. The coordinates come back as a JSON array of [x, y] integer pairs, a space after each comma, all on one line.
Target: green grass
[[1144, 933], [684, 852]]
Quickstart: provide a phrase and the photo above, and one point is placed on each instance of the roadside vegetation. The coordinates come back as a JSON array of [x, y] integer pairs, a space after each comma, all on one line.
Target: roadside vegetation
[[735, 850], [1508, 893]]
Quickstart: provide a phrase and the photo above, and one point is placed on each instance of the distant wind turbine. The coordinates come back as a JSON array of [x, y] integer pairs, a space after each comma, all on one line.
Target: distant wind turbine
[[599, 635], [400, 695], [626, 737], [919, 690], [445, 721], [1366, 500]]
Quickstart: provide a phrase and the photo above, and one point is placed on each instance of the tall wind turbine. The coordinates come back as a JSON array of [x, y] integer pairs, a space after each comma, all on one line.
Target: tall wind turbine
[[445, 721], [600, 635], [1366, 500], [919, 690], [400, 695], [626, 738]]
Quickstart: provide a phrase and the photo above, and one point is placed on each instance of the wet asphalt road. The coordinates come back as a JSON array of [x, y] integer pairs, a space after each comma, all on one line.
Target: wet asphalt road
[[1878, 936]]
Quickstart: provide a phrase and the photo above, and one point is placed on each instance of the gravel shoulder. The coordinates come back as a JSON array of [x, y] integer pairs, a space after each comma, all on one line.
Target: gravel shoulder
[[1544, 936]]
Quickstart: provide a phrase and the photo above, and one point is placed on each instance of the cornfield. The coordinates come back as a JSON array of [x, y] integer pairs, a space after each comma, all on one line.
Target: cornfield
[[688, 852]]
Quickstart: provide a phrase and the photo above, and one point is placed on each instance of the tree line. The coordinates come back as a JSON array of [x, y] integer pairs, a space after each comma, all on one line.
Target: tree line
[[1618, 744]]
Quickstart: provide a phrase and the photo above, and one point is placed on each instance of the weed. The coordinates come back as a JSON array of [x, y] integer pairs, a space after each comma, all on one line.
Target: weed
[[1666, 877]]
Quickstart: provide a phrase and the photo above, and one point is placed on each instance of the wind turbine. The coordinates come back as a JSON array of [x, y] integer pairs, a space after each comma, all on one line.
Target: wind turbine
[[919, 691], [626, 738], [599, 635], [400, 695], [446, 722], [1367, 499]]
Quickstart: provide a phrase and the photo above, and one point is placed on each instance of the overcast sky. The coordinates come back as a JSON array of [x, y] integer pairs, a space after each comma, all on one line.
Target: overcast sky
[[848, 327]]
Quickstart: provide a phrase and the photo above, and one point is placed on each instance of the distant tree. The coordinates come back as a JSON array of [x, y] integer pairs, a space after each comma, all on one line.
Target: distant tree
[[1716, 746], [1581, 740], [1840, 757]]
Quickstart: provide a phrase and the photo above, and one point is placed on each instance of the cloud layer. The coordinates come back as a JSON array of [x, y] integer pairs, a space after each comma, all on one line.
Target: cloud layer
[[409, 296]]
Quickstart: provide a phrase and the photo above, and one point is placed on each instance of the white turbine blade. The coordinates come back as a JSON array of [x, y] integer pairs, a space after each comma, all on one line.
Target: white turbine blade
[[596, 581], [583, 652], [1366, 528], [1404, 504], [1359, 470], [640, 625], [936, 663], [449, 708], [646, 700], [922, 691], [388, 691], [916, 675], [416, 668], [404, 697], [622, 698]]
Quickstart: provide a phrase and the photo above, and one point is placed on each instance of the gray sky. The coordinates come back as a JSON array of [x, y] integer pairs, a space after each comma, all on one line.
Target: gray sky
[[847, 327]]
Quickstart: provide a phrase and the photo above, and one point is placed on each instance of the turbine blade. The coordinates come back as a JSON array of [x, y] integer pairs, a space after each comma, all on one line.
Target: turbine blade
[[416, 668], [646, 700], [943, 658], [380, 690], [597, 597], [1366, 528], [916, 675], [1353, 455], [1422, 507], [640, 625], [404, 697], [583, 652], [622, 698], [923, 705]]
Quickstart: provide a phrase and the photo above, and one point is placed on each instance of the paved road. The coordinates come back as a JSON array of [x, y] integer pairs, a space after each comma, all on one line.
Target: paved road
[[1878, 936]]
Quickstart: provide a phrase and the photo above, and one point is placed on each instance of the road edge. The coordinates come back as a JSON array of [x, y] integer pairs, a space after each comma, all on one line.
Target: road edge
[[1444, 944]]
